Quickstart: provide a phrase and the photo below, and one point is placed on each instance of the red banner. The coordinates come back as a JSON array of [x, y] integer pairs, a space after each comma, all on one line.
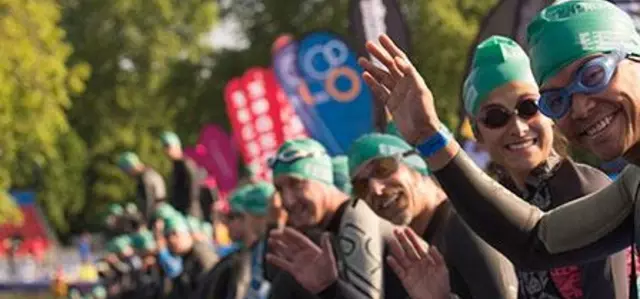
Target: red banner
[[292, 126], [261, 117]]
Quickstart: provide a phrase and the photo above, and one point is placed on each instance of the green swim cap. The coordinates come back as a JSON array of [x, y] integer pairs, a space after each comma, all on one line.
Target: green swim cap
[[195, 226], [99, 292], [341, 173], [176, 224], [131, 208], [119, 244], [143, 240], [128, 160], [256, 200], [74, 293], [236, 199], [252, 198], [165, 211], [497, 60], [377, 145], [170, 139], [115, 210], [305, 159], [570, 30]]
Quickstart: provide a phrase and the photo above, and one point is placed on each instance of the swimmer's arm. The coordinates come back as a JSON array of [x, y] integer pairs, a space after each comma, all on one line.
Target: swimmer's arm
[[526, 235], [485, 272]]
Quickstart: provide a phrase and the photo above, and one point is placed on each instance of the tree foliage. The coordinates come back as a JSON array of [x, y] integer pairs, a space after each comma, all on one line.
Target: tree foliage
[[62, 191], [36, 84], [9, 211], [442, 34], [131, 46]]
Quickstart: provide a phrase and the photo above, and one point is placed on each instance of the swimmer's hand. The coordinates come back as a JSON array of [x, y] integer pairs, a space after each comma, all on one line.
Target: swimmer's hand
[[420, 267], [313, 267], [402, 90]]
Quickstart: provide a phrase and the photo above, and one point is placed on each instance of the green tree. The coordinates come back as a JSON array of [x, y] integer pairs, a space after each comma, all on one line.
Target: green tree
[[9, 211], [442, 32], [131, 46], [63, 180], [36, 85]]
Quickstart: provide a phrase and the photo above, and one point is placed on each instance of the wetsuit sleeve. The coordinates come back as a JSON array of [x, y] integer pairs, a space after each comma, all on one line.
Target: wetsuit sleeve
[[155, 188], [337, 290], [194, 190], [185, 195], [605, 278], [179, 185], [285, 286], [330, 292], [207, 258], [588, 228], [218, 280], [485, 272]]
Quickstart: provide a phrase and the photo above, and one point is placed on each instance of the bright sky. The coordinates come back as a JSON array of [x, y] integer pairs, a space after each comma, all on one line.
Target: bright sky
[[227, 34]]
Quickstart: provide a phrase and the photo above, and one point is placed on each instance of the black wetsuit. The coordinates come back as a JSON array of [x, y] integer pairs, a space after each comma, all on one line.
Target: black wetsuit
[[185, 188], [587, 229], [476, 270]]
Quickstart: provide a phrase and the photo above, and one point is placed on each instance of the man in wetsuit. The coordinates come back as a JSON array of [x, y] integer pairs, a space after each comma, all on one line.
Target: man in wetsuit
[[150, 280], [198, 258], [185, 182], [240, 275], [304, 180], [151, 187], [221, 281], [390, 176], [303, 176], [122, 259]]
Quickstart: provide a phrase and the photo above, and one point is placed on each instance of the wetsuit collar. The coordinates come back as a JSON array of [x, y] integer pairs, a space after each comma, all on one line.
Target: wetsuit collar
[[437, 220]]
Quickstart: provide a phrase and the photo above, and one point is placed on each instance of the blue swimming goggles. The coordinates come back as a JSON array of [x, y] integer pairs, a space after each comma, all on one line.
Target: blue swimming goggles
[[592, 77]]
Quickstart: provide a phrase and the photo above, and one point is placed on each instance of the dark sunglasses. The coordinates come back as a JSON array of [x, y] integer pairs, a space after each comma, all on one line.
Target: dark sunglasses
[[380, 168], [497, 116]]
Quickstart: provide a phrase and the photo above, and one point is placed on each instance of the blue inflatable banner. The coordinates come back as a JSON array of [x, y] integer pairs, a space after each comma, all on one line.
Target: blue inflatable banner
[[284, 67], [333, 84]]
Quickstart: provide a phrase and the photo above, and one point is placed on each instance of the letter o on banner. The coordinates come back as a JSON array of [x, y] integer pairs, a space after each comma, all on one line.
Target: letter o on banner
[[333, 53], [332, 80]]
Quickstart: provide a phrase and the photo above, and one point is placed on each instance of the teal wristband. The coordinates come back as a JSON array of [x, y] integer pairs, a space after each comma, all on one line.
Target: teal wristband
[[434, 143]]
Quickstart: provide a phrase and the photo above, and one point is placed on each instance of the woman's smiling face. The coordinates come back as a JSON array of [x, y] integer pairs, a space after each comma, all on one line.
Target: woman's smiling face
[[516, 135]]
